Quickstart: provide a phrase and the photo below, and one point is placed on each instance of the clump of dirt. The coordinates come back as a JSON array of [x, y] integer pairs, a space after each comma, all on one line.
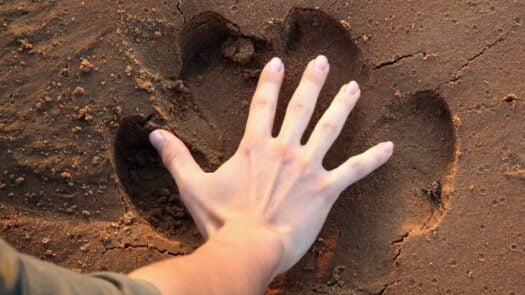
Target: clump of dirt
[[239, 50]]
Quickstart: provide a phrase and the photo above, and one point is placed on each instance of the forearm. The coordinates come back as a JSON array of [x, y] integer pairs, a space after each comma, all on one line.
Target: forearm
[[241, 258], [22, 274]]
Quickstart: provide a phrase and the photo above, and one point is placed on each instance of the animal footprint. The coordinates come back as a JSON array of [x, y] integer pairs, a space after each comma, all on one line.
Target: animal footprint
[[219, 66], [150, 187]]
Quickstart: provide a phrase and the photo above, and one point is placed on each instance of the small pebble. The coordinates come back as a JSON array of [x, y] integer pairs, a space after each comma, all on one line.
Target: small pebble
[[397, 94], [78, 91], [346, 25], [19, 180], [85, 66]]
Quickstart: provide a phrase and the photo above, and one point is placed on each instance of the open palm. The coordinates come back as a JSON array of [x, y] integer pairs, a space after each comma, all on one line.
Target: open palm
[[275, 182]]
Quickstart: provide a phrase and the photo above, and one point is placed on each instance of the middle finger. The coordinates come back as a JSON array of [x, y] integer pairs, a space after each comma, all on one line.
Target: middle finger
[[303, 101]]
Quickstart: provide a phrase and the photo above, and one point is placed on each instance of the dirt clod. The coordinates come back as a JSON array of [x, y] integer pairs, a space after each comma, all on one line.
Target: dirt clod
[[346, 25], [511, 97], [85, 66], [239, 50], [177, 85], [66, 175], [127, 219], [145, 85], [85, 113], [19, 181], [129, 71], [398, 94], [78, 91], [24, 45]]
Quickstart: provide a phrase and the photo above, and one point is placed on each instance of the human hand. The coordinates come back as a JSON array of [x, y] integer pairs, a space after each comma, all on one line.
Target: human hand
[[275, 185]]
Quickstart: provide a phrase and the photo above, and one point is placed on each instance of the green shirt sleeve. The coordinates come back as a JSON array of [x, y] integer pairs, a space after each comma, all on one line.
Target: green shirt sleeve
[[24, 275]]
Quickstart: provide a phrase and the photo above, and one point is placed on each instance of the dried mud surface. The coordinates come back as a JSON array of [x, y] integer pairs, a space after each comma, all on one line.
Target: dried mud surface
[[82, 84]]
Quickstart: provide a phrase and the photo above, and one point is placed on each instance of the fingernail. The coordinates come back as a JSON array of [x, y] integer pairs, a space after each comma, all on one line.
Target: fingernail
[[157, 140], [276, 65], [321, 63], [353, 88], [388, 147]]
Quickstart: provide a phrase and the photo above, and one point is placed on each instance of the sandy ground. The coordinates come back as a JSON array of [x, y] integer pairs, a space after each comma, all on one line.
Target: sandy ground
[[83, 82]]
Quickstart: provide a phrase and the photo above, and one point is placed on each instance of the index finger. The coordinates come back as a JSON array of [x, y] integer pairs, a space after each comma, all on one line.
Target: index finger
[[264, 102]]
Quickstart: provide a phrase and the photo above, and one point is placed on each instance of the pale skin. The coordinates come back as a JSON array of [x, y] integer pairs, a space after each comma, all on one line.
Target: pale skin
[[263, 208]]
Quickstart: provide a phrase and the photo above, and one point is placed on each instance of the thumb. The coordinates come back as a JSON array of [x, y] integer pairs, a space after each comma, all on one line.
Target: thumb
[[175, 156]]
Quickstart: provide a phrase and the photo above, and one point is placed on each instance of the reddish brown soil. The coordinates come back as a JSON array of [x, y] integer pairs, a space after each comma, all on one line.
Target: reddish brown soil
[[82, 84]]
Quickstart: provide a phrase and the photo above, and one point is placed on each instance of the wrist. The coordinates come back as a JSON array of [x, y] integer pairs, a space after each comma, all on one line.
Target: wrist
[[251, 240]]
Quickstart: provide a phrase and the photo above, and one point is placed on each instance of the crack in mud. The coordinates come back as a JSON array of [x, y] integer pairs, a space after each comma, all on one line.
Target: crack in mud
[[488, 46], [484, 106], [458, 75], [385, 287], [397, 60], [396, 256], [425, 225], [123, 199], [180, 11], [399, 242], [401, 239]]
